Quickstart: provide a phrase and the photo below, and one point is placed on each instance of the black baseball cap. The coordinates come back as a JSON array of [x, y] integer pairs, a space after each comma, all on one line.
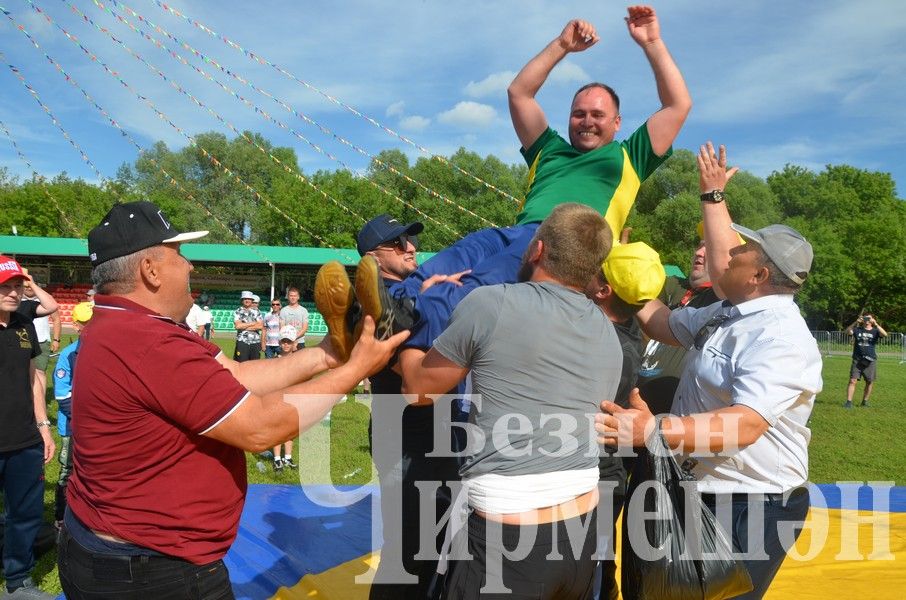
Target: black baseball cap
[[383, 228], [131, 227]]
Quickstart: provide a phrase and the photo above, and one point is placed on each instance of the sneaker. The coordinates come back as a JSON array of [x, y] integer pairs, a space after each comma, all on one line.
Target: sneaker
[[847, 404], [28, 591], [288, 462], [865, 403], [333, 298], [391, 315], [278, 465]]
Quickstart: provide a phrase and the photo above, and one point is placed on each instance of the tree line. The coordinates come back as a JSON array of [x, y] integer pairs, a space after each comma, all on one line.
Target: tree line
[[851, 216]]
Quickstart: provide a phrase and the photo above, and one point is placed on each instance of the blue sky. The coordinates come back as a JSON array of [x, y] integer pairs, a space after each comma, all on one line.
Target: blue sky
[[803, 82]]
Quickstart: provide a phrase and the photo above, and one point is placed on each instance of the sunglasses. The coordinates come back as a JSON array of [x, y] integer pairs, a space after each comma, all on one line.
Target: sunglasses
[[708, 329], [401, 243], [275, 304]]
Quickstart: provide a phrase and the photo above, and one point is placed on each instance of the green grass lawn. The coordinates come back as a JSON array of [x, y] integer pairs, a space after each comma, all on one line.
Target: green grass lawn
[[862, 444]]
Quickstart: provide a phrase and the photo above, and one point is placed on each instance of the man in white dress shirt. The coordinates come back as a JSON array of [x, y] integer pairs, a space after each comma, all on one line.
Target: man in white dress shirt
[[748, 385]]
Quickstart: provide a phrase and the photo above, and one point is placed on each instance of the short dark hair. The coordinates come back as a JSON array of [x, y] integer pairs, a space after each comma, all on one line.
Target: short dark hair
[[622, 310], [603, 86], [576, 240]]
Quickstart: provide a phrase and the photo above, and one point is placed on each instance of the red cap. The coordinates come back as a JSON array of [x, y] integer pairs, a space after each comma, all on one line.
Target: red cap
[[9, 268]]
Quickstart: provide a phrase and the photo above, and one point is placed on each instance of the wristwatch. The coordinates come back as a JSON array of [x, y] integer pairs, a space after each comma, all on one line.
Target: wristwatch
[[714, 196], [44, 423]]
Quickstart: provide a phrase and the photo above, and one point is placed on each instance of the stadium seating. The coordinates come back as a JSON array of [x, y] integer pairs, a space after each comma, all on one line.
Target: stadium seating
[[225, 302]]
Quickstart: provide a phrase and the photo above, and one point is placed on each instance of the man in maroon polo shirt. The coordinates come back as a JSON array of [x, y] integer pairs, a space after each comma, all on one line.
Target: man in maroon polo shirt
[[163, 417]]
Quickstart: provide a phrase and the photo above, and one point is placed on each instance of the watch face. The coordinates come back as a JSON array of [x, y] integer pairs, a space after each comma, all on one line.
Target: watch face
[[717, 195]]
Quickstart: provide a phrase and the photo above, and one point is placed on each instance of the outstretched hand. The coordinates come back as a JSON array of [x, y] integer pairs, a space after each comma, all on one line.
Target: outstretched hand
[[643, 24], [453, 278], [372, 354], [578, 36], [712, 169], [625, 427]]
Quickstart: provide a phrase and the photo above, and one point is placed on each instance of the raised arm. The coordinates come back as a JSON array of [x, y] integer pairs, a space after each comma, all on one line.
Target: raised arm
[[48, 305], [665, 124], [654, 321], [529, 120], [713, 175], [849, 330]]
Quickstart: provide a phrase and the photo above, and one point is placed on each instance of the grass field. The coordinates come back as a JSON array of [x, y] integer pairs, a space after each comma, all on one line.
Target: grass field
[[862, 444]]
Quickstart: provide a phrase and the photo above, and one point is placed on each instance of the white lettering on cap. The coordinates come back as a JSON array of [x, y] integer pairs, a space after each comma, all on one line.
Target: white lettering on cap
[[9, 266], [163, 220]]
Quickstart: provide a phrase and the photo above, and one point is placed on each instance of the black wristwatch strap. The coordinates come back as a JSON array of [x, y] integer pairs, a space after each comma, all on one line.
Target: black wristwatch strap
[[714, 196]]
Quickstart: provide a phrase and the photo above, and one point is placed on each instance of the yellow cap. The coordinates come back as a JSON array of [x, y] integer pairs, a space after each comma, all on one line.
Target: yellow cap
[[700, 230], [82, 312], [635, 272]]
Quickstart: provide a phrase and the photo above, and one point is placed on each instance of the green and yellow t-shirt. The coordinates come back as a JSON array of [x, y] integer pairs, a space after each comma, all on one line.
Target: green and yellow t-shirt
[[606, 178]]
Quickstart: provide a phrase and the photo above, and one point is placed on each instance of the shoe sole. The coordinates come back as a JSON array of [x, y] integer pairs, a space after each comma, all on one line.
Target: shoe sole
[[333, 297], [373, 298]]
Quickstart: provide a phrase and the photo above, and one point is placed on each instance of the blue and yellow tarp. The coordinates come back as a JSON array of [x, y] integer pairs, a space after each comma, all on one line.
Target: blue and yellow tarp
[[291, 547]]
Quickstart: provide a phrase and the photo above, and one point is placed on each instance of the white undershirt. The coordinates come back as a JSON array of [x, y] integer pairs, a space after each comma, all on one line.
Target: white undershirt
[[507, 494]]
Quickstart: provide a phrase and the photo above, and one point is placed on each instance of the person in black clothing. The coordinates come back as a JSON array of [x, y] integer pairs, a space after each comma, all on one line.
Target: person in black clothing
[[392, 245], [865, 331], [25, 441], [631, 275]]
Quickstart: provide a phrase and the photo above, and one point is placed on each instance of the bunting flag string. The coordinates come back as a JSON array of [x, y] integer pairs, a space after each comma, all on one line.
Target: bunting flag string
[[176, 86], [324, 129], [47, 193], [263, 61], [34, 94], [214, 161], [264, 114], [141, 151]]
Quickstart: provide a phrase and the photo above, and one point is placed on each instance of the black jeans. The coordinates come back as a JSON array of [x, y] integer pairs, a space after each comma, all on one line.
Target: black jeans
[[87, 575], [788, 513], [551, 569]]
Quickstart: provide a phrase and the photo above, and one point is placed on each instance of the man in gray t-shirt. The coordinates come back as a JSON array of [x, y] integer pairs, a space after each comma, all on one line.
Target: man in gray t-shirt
[[541, 355], [296, 315]]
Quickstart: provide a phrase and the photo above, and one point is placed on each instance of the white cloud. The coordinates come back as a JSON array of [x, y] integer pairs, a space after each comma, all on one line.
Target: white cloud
[[395, 109], [414, 123], [468, 114], [567, 72], [495, 83]]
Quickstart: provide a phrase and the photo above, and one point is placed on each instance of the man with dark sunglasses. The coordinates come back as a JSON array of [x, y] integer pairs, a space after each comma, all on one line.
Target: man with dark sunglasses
[[748, 387], [388, 249]]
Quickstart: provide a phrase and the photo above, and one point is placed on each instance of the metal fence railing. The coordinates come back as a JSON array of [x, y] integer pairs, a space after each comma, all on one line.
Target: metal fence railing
[[839, 343]]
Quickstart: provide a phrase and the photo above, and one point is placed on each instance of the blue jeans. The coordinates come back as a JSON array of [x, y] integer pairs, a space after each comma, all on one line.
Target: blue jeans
[[271, 351], [87, 575], [22, 481], [494, 255], [776, 511]]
